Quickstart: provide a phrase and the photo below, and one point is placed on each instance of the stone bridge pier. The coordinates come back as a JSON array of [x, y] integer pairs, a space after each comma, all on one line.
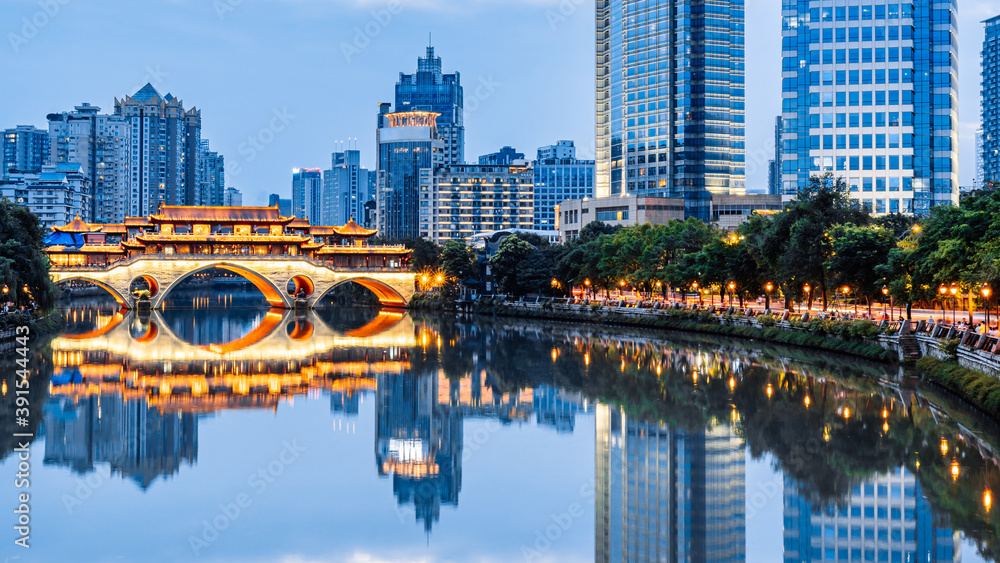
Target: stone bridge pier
[[271, 275]]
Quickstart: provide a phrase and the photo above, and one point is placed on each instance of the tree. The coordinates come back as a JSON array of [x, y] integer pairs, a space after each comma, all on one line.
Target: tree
[[458, 262], [505, 262], [22, 257], [854, 252], [426, 254]]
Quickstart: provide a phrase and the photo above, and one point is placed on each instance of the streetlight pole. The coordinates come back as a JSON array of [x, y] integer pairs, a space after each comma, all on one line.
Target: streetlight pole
[[954, 301], [732, 286], [986, 290], [885, 293], [807, 288], [694, 286], [767, 296]]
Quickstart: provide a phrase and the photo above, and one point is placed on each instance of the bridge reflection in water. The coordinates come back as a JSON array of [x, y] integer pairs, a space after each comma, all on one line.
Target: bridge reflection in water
[[672, 434]]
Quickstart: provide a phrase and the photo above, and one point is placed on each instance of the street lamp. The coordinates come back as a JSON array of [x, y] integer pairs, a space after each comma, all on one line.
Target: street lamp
[[986, 290], [586, 282], [767, 296], [555, 284], [694, 286], [954, 300], [885, 293], [807, 289], [732, 286], [847, 291]]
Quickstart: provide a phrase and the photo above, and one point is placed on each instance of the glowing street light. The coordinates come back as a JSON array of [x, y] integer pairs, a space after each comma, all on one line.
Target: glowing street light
[[885, 294], [987, 499], [732, 286], [986, 290], [807, 289], [767, 295]]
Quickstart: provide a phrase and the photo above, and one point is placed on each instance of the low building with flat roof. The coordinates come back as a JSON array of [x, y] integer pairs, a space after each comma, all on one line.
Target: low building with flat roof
[[618, 210], [731, 211]]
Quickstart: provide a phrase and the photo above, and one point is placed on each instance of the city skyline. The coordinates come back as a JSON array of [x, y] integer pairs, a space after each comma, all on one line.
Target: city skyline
[[308, 76]]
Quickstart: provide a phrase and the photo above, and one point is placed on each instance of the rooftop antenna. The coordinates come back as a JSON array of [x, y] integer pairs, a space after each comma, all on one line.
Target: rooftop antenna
[[429, 42]]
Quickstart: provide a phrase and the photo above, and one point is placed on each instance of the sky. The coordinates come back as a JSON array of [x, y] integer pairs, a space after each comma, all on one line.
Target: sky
[[283, 83]]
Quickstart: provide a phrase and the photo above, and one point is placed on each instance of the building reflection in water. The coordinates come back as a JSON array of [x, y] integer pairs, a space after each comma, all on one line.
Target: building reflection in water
[[886, 518], [138, 442], [128, 390], [666, 494]]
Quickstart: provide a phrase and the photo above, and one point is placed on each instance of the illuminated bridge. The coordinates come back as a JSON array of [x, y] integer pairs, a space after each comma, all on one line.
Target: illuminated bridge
[[290, 261]]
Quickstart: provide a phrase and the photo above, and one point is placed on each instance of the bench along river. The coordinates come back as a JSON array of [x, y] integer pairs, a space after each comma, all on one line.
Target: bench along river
[[243, 433]]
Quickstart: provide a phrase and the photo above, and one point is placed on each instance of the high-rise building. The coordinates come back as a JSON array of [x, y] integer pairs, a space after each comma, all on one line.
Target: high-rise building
[[559, 176], [166, 140], [774, 165], [307, 194], [211, 176], [870, 94], [233, 198], [504, 157], [670, 100], [977, 183], [284, 205], [459, 200], [25, 149], [886, 518], [429, 90], [57, 194], [666, 494], [102, 145], [990, 152], [346, 188], [407, 142]]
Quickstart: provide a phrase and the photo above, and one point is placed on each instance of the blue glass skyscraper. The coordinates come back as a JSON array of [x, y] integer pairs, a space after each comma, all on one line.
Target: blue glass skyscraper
[[429, 90], [990, 153], [870, 94], [670, 99]]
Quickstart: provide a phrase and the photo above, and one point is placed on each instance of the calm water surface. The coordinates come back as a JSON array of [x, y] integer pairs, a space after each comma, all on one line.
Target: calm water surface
[[246, 434]]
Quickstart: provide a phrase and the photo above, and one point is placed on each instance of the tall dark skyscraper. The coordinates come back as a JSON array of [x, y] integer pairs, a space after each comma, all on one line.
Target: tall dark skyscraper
[[429, 90], [408, 146], [991, 101], [670, 100]]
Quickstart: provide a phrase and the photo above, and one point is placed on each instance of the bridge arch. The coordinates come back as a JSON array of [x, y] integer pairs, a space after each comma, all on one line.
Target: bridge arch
[[271, 293], [121, 299], [386, 295]]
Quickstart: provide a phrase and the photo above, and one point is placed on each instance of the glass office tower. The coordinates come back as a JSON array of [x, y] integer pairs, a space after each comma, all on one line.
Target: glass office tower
[[670, 99], [430, 90], [870, 94], [990, 152]]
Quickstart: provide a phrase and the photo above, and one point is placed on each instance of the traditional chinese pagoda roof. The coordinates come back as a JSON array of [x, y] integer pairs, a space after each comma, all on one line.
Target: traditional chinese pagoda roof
[[137, 222], [219, 214], [352, 229], [76, 226], [296, 223], [112, 228]]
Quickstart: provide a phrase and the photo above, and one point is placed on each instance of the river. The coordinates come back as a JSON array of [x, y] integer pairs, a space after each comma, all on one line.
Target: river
[[217, 430]]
